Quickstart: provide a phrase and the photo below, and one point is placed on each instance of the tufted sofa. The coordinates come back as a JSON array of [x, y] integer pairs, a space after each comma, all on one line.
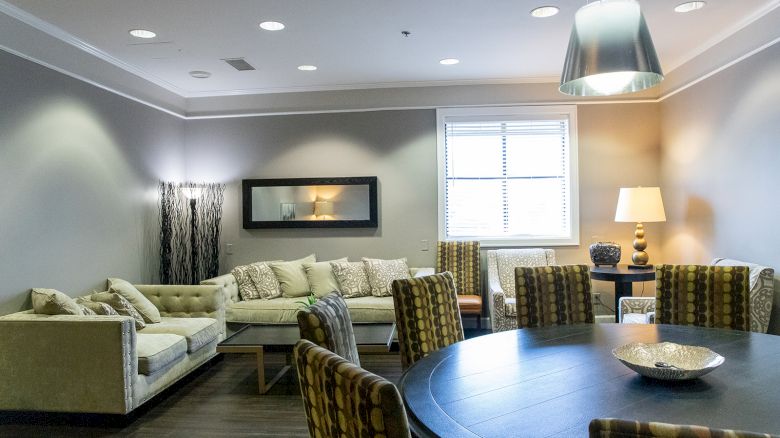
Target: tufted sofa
[[282, 310], [101, 364]]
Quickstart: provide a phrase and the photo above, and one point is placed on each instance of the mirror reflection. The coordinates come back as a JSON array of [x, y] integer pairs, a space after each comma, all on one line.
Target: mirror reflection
[[311, 203]]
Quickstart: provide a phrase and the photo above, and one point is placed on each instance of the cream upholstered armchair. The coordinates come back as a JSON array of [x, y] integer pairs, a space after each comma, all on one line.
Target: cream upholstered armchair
[[762, 291], [501, 281]]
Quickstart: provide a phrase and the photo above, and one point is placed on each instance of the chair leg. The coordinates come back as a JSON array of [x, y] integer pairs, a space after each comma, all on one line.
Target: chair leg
[[479, 322]]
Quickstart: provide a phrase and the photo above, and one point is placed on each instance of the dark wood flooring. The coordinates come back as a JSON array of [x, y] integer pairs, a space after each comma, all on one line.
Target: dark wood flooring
[[218, 400]]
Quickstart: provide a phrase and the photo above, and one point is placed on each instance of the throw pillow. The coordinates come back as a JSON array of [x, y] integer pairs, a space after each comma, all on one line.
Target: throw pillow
[[257, 281], [292, 277], [381, 274], [121, 305], [86, 311], [97, 307], [352, 279], [142, 304], [321, 278], [53, 302]]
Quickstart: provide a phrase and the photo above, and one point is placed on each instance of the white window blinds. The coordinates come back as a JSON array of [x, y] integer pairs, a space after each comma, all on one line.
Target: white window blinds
[[508, 178]]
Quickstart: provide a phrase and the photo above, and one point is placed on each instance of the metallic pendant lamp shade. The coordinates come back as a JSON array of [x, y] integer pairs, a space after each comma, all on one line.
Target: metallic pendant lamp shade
[[610, 51]]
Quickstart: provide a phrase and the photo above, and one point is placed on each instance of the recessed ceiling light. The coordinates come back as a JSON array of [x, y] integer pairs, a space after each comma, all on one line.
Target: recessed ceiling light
[[142, 33], [689, 6], [449, 61], [271, 25], [544, 11], [200, 74], [307, 67]]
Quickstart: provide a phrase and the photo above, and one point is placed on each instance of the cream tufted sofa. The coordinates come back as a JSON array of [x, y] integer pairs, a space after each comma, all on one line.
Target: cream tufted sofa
[[101, 364], [284, 310]]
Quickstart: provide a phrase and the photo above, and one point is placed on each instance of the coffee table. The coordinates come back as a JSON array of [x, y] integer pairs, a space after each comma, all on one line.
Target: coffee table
[[261, 338]]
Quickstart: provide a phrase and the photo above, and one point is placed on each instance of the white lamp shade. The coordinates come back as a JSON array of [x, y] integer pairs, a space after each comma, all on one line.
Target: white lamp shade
[[640, 204], [323, 208]]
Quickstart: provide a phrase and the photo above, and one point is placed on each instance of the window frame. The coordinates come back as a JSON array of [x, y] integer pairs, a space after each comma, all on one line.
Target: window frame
[[519, 112]]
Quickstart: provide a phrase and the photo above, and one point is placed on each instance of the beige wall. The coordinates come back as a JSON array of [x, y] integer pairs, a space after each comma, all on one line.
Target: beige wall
[[719, 166], [619, 146], [78, 167]]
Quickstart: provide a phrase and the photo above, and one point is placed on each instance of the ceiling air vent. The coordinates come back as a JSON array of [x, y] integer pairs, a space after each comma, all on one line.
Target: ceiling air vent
[[239, 64]]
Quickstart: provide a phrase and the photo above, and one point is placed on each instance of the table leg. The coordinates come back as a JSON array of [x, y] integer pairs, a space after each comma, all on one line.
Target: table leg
[[621, 290], [265, 387]]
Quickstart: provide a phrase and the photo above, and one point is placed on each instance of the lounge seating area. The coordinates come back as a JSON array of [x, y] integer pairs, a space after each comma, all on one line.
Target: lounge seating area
[[362, 219]]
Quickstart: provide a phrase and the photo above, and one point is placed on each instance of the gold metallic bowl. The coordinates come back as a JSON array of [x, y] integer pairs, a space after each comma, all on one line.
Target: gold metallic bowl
[[667, 360]]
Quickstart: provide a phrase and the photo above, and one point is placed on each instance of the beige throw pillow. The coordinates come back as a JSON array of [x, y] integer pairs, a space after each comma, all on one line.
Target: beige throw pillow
[[381, 274], [352, 279], [148, 311], [96, 307], [257, 281], [121, 305], [53, 302], [321, 278], [292, 277]]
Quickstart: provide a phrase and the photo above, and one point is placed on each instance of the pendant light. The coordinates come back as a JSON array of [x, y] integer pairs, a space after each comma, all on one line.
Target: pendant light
[[610, 51]]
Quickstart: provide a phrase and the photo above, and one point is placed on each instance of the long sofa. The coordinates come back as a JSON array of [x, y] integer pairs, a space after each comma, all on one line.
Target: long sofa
[[282, 310], [101, 364]]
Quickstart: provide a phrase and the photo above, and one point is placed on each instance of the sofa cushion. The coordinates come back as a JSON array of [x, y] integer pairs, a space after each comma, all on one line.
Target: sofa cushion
[[292, 277], [197, 331], [53, 302], [321, 279], [121, 305], [142, 304], [257, 281], [381, 274], [352, 279], [470, 304], [156, 351], [284, 310], [510, 307]]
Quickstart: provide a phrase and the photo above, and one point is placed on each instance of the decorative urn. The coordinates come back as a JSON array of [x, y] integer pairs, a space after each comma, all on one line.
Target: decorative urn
[[605, 253]]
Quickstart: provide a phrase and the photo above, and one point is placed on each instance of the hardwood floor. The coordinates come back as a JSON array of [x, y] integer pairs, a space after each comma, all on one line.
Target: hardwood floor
[[219, 400]]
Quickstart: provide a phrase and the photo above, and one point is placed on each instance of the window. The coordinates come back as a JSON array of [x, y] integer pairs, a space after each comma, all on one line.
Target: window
[[508, 175]]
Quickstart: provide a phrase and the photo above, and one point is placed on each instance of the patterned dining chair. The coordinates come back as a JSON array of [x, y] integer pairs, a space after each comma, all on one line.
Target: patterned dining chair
[[343, 400], [702, 295], [462, 260], [553, 295], [614, 428], [327, 323], [426, 314]]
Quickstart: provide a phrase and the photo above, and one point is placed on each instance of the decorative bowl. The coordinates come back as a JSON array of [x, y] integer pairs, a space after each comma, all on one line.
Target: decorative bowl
[[667, 360], [605, 253]]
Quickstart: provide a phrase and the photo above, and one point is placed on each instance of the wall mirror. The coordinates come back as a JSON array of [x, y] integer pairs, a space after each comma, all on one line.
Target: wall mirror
[[349, 202]]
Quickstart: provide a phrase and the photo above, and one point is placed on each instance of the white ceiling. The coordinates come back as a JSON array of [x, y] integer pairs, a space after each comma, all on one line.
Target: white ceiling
[[358, 43]]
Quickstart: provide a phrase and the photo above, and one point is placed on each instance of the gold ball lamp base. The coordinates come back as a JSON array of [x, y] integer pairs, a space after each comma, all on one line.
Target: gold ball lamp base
[[640, 257]]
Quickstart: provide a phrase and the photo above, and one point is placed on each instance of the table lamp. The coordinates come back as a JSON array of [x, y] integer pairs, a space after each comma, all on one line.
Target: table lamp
[[640, 204]]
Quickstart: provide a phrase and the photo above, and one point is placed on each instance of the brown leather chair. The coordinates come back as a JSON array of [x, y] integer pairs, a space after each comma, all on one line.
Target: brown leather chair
[[462, 260]]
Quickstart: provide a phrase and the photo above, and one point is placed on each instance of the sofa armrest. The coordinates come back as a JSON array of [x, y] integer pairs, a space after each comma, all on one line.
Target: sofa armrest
[[185, 301], [421, 272], [67, 363], [642, 305]]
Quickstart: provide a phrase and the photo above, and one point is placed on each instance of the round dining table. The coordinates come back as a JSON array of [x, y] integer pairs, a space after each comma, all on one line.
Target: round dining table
[[552, 381]]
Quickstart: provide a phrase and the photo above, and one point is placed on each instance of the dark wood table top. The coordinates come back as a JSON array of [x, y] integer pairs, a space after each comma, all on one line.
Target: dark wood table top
[[286, 335], [552, 381], [621, 274]]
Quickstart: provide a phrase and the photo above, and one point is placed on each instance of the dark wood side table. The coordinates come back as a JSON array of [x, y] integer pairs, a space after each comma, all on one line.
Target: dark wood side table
[[623, 278]]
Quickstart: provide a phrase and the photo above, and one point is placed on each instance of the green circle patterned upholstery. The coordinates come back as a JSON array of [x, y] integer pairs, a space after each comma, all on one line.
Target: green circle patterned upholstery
[[553, 295], [426, 314], [344, 400]]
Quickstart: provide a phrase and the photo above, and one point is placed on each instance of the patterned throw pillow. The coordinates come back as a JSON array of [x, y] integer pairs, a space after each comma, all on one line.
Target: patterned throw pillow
[[53, 302], [96, 307], [121, 305], [256, 281], [352, 279], [382, 272]]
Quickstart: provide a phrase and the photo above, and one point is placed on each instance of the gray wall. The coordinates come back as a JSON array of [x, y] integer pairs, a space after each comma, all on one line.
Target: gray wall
[[719, 166], [619, 146], [78, 167]]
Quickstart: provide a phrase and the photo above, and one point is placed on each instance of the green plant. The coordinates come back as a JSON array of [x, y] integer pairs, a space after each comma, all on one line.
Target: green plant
[[310, 300]]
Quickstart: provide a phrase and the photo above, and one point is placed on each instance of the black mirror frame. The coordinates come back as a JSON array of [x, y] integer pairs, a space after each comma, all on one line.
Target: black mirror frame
[[248, 184]]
